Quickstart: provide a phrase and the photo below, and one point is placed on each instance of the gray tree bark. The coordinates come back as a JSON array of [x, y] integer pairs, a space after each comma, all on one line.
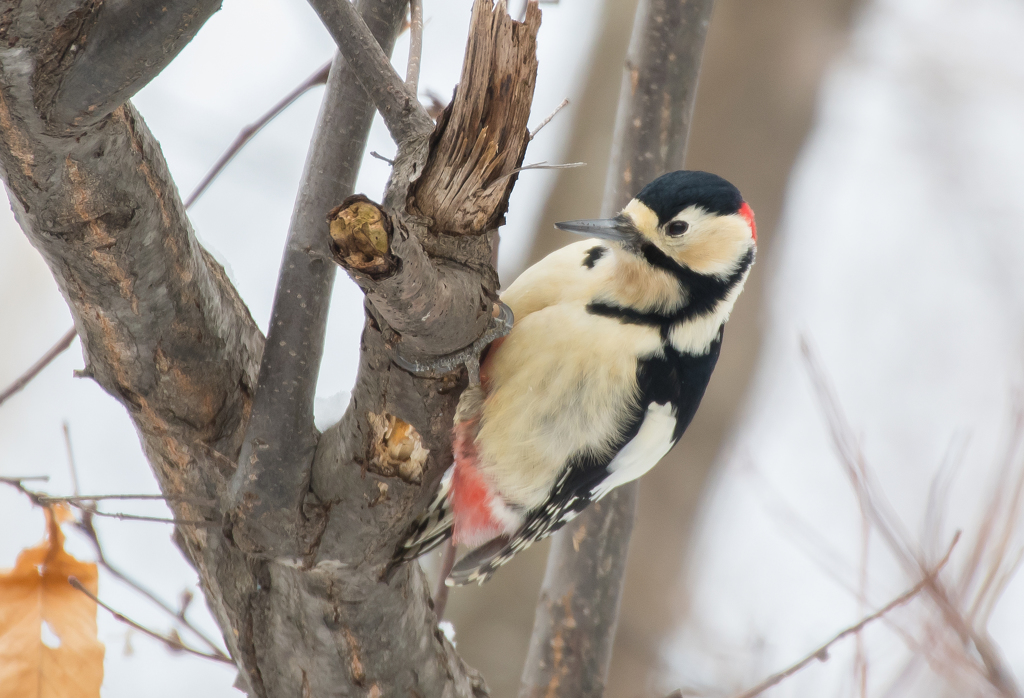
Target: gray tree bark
[[165, 333]]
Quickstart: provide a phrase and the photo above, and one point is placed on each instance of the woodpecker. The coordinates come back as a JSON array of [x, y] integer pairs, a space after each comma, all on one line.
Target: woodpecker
[[612, 347]]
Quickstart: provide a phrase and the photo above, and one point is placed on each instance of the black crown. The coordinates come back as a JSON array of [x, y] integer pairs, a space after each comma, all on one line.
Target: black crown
[[671, 193]]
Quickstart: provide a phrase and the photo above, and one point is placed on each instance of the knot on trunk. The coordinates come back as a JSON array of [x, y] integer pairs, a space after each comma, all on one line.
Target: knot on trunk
[[397, 448]]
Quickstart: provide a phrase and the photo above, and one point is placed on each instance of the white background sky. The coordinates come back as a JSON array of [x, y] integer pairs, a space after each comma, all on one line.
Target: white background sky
[[244, 60]]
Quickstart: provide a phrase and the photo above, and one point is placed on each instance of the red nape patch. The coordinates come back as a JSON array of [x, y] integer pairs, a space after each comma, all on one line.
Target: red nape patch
[[470, 494], [748, 215]]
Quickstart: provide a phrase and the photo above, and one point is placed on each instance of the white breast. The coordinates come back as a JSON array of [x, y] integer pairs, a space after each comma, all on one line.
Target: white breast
[[643, 451]]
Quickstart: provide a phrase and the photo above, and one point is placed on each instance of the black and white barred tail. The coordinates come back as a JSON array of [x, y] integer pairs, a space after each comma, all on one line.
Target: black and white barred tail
[[480, 564], [430, 529]]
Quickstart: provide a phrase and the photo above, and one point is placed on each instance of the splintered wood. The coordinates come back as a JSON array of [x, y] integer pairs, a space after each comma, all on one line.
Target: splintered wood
[[482, 135]]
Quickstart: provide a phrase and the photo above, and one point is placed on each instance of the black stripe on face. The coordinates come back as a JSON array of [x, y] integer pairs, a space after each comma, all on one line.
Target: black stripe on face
[[702, 292]]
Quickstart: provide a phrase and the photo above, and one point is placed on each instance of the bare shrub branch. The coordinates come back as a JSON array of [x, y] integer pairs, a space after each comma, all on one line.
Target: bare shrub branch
[[822, 653], [943, 656]]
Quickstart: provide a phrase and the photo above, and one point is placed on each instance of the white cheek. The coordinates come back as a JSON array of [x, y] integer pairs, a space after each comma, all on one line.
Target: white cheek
[[715, 245]]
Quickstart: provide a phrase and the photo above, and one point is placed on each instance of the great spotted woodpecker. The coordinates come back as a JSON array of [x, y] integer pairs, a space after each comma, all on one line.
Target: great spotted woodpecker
[[613, 344]]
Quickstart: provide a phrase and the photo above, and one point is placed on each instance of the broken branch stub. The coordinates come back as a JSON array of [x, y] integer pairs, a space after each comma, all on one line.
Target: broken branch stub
[[482, 135], [361, 237]]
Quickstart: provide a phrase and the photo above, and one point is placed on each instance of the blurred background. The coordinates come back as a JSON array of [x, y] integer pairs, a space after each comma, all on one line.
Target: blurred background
[[880, 143]]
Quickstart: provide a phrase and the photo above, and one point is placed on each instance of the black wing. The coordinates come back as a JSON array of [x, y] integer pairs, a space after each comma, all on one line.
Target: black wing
[[677, 378]]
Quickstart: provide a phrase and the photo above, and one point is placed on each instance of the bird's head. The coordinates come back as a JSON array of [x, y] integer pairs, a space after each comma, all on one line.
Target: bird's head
[[696, 220]]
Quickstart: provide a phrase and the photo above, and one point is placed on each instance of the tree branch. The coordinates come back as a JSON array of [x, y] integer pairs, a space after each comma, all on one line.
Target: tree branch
[[578, 610], [412, 73], [162, 329], [659, 88], [579, 602], [105, 52], [402, 112]]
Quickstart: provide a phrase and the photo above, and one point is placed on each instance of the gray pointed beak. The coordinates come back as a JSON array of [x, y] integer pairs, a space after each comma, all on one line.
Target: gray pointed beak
[[619, 228]]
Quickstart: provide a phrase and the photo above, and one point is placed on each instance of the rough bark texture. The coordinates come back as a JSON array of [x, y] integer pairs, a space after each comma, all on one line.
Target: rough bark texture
[[571, 646], [579, 603], [100, 53], [162, 329], [165, 333]]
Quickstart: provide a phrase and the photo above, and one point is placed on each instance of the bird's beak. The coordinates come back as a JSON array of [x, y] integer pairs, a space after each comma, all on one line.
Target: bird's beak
[[619, 228]]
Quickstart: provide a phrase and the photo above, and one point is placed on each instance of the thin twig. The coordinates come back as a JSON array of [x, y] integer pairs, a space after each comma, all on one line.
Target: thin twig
[[156, 519], [71, 457], [542, 165], [173, 644], [86, 527], [412, 73], [821, 653], [375, 154], [247, 133], [42, 500], [25, 478], [56, 350], [16, 483], [46, 499], [548, 118]]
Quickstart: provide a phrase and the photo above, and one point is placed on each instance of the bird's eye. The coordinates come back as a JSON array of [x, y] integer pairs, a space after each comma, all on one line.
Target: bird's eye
[[677, 228]]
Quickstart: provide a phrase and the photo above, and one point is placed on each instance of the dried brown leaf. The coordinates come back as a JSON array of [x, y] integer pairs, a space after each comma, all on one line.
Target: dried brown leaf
[[35, 592]]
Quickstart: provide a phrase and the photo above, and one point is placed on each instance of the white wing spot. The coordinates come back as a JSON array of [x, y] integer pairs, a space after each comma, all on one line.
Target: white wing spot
[[643, 451]]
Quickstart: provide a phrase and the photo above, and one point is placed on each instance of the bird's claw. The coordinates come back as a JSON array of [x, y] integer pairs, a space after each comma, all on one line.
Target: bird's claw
[[437, 366]]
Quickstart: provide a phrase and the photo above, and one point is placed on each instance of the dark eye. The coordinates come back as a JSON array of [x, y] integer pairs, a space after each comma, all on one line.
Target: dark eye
[[677, 228]]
